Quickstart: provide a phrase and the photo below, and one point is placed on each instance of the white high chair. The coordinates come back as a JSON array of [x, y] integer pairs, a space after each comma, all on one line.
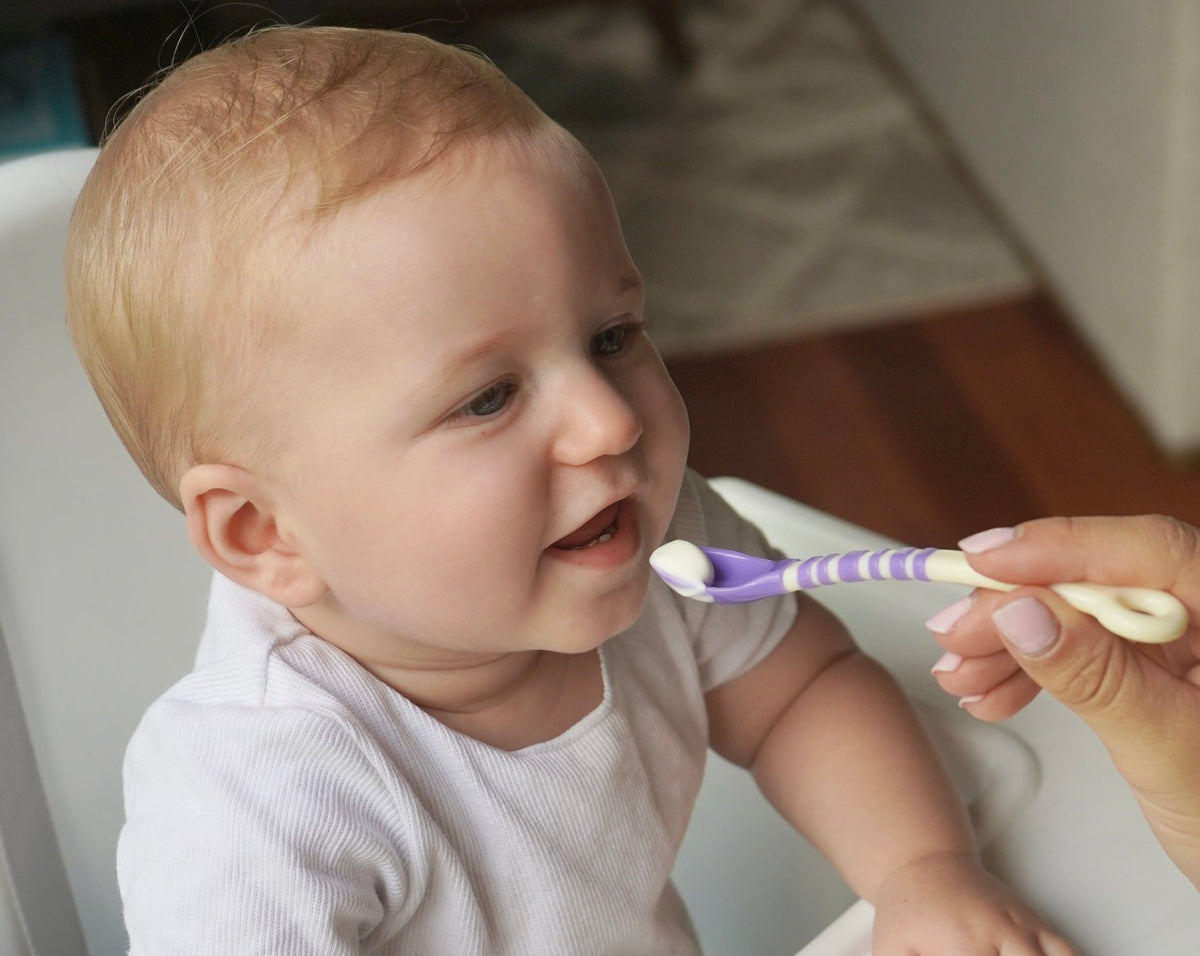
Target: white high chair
[[101, 605], [100, 596]]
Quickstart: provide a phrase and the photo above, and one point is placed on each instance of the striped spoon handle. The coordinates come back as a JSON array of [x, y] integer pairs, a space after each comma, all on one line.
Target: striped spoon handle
[[1138, 614]]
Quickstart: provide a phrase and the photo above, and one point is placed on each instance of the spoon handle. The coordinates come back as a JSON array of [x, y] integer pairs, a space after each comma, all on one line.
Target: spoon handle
[[1137, 614]]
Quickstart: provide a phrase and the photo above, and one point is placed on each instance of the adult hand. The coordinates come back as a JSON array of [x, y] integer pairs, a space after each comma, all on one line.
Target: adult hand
[[1143, 701]]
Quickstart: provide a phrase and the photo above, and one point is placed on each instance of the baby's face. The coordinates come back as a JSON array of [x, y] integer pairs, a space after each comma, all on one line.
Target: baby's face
[[488, 446]]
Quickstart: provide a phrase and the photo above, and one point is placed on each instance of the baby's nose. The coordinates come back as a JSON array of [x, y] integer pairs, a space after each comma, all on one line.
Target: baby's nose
[[596, 420]]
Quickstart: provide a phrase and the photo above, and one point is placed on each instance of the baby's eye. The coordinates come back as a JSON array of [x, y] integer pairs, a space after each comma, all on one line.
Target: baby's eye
[[491, 401], [614, 339]]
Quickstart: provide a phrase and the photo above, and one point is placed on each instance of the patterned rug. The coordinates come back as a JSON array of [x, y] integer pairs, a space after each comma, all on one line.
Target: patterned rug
[[786, 185]]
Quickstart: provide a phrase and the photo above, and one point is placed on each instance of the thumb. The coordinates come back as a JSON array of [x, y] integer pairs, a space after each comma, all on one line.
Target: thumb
[[1096, 674]]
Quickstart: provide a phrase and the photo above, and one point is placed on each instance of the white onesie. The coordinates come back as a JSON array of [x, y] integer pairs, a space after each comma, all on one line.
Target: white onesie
[[281, 800]]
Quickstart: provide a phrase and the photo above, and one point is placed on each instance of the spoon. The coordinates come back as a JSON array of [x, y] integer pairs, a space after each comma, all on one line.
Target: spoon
[[719, 576]]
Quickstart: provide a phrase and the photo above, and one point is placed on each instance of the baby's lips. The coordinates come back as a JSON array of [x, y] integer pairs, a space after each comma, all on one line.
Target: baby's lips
[[591, 530]]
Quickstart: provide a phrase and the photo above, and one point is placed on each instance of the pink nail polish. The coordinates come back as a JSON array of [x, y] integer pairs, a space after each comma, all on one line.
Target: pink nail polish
[[1028, 624], [948, 663], [987, 540], [945, 619]]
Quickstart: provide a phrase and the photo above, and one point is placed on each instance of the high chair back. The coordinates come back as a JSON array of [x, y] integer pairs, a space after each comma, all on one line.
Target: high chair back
[[101, 598]]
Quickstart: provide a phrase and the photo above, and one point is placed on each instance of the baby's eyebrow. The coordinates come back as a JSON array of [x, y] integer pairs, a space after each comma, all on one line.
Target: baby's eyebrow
[[474, 352]]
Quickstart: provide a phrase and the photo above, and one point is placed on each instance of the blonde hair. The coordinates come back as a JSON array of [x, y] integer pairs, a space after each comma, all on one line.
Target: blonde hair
[[174, 282]]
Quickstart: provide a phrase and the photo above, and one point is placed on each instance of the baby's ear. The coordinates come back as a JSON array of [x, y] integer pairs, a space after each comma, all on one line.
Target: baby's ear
[[233, 523]]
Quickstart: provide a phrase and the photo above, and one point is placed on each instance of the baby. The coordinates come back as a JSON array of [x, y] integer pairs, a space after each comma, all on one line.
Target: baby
[[365, 316]]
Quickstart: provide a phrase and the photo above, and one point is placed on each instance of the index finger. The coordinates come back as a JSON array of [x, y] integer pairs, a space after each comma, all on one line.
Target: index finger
[[1146, 551]]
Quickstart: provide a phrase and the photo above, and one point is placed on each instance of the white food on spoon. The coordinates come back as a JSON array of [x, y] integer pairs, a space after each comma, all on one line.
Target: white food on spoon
[[683, 561]]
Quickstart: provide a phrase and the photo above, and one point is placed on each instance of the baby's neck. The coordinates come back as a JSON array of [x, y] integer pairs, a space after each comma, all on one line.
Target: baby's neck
[[548, 694], [507, 700], [455, 687]]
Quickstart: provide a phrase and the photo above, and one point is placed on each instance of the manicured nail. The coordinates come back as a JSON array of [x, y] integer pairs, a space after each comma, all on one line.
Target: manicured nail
[[948, 663], [987, 540], [945, 619], [1028, 625], [970, 699]]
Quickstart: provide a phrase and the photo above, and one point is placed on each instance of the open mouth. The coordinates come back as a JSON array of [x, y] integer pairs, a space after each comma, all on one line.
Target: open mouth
[[599, 530]]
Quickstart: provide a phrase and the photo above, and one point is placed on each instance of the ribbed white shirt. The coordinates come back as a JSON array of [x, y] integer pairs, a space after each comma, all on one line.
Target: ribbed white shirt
[[281, 800]]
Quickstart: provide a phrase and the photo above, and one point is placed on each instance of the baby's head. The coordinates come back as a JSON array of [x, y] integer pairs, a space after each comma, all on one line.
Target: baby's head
[[179, 272], [367, 316]]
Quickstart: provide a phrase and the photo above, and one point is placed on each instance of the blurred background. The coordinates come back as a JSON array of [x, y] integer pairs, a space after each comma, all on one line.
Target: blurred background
[[928, 266]]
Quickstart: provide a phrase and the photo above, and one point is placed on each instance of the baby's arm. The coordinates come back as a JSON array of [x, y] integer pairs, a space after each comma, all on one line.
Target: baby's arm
[[835, 746]]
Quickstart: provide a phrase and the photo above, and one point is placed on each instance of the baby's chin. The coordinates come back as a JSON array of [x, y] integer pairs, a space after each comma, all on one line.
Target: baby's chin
[[631, 612], [619, 615]]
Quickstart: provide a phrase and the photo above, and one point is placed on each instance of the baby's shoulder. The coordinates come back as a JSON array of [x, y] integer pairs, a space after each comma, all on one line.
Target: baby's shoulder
[[286, 794], [244, 710], [303, 676]]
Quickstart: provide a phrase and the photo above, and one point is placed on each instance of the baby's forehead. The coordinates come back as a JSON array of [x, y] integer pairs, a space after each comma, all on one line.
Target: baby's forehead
[[483, 163], [487, 204]]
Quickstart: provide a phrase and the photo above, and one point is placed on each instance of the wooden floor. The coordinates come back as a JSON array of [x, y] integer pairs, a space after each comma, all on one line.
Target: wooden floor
[[930, 429]]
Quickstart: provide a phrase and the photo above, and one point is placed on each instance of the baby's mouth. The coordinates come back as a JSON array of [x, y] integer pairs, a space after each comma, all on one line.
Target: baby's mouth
[[598, 530]]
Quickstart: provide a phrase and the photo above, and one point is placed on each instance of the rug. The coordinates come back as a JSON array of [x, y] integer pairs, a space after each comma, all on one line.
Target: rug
[[786, 185]]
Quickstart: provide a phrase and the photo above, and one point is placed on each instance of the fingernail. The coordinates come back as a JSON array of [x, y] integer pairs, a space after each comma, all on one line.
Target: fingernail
[[1028, 625], [948, 663], [970, 699], [987, 540], [947, 617]]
